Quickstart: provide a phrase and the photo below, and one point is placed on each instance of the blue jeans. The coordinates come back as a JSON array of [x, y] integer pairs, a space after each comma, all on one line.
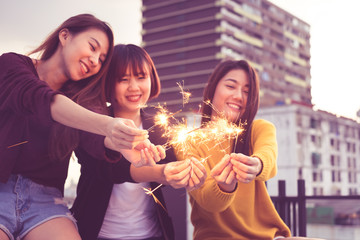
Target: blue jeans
[[25, 205]]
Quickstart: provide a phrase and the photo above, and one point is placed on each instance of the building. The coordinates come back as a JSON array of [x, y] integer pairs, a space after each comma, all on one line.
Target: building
[[320, 147], [187, 38]]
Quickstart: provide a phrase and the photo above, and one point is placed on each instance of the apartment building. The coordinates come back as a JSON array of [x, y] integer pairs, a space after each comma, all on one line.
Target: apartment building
[[318, 146], [187, 38]]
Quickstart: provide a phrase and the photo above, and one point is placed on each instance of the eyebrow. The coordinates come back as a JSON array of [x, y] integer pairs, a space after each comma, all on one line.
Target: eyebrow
[[235, 81], [231, 80]]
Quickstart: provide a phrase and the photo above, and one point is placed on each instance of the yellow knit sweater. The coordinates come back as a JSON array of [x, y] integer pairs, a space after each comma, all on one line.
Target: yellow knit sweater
[[246, 213]]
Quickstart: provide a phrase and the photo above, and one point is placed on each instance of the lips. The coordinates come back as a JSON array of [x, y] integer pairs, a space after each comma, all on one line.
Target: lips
[[133, 98]]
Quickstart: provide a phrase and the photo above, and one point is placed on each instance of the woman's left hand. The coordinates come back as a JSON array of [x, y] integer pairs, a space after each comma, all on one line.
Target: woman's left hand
[[246, 168]]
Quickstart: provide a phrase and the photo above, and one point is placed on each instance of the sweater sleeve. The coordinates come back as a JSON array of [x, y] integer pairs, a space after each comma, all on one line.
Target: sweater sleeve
[[22, 92], [209, 196], [264, 146]]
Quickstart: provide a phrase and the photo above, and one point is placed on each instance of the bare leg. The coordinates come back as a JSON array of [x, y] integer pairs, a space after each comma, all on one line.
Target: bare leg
[[56, 229], [3, 236]]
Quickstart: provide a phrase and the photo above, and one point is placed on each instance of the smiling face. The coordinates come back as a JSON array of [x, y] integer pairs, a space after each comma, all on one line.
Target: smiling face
[[132, 92], [231, 95], [83, 53]]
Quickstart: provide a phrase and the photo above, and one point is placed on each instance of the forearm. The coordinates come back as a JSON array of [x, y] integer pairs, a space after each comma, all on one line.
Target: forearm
[[67, 112], [148, 174]]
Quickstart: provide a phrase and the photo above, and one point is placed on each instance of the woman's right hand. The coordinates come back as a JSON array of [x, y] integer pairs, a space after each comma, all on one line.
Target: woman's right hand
[[189, 174], [224, 174], [123, 134], [177, 174]]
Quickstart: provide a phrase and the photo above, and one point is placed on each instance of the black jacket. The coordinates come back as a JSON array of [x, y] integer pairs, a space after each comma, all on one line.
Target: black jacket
[[96, 182]]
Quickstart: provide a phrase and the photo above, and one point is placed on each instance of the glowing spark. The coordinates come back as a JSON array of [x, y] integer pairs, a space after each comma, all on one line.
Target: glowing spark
[[185, 95], [17, 144]]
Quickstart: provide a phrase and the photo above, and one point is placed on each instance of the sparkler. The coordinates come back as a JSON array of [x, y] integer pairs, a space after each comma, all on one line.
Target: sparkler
[[17, 144], [182, 136], [185, 95], [150, 192]]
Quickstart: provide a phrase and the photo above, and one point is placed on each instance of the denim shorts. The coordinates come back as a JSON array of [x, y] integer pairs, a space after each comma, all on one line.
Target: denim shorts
[[25, 205]]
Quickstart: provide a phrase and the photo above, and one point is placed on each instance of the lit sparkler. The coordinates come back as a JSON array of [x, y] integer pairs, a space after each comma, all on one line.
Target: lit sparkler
[[185, 95]]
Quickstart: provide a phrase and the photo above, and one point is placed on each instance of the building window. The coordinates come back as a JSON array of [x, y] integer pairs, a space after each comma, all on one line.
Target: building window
[[316, 159], [314, 123], [317, 176]]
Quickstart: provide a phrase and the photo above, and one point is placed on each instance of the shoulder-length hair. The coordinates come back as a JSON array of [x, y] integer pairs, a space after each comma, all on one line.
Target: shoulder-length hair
[[252, 105], [137, 60], [88, 92]]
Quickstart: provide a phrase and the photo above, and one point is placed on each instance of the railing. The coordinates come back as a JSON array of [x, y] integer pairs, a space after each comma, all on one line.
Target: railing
[[292, 209]]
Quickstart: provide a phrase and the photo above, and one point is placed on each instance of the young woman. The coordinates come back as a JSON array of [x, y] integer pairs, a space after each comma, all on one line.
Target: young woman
[[233, 203], [36, 101], [111, 202]]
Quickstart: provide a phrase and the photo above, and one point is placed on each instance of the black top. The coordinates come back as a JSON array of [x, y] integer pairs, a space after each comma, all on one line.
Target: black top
[[96, 182], [25, 124]]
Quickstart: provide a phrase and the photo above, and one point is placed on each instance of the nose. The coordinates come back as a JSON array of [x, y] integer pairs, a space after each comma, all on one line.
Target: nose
[[94, 59], [239, 94], [133, 85]]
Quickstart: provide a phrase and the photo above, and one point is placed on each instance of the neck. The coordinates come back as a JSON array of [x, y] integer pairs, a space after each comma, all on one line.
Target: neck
[[51, 72], [135, 116]]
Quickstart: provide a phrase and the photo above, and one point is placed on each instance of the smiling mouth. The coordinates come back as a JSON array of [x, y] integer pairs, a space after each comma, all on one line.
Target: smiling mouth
[[234, 106], [133, 98], [84, 67]]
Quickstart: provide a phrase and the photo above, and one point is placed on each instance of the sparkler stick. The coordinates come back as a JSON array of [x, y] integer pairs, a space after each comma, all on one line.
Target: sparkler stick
[[17, 144], [150, 192]]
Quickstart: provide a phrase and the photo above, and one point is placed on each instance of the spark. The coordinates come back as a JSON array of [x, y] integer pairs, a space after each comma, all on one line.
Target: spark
[[17, 144], [185, 95]]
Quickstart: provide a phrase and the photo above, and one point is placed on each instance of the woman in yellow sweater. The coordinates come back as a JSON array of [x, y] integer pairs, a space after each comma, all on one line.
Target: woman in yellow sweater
[[233, 203]]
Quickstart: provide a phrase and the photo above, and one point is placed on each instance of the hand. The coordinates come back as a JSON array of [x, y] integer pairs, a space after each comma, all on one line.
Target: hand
[[198, 175], [245, 167], [177, 174], [224, 175], [123, 134], [144, 154]]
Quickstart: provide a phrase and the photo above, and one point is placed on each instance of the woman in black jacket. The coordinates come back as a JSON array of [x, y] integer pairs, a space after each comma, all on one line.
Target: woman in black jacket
[[111, 201]]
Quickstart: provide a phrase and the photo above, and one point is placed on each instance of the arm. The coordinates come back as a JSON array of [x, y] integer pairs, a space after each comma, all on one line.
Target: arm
[[120, 133], [265, 148]]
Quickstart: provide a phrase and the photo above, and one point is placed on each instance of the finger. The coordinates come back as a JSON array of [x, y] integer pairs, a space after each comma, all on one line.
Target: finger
[[219, 167], [149, 159], [231, 177], [191, 184], [175, 172], [199, 173], [224, 174], [155, 153], [179, 166], [161, 150]]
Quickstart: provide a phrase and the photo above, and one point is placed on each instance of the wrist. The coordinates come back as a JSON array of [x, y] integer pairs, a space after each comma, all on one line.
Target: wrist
[[228, 188]]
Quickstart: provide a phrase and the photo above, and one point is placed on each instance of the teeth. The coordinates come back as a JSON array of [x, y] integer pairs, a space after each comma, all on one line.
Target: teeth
[[86, 70], [234, 105], [134, 98]]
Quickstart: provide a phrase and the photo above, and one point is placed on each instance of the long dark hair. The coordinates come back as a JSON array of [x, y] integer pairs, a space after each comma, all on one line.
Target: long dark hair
[[252, 106], [136, 58], [88, 92]]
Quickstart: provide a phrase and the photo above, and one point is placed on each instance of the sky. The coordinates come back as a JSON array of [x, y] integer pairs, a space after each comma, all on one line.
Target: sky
[[334, 37]]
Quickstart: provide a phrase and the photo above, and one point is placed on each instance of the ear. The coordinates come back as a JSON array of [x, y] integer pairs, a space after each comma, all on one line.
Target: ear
[[63, 35]]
